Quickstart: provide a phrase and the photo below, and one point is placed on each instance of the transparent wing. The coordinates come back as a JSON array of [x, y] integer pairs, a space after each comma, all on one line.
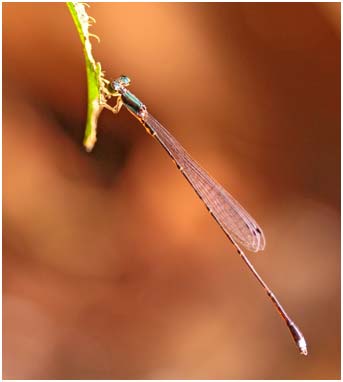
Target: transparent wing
[[229, 214]]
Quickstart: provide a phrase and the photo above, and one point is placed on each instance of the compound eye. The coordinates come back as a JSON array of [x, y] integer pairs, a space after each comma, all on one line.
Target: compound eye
[[125, 80], [115, 85]]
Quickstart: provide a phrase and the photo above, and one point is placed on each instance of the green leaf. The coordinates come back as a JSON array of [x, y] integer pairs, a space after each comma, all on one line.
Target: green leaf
[[96, 82]]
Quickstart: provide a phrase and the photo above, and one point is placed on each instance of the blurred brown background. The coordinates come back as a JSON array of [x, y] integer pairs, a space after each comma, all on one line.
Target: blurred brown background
[[112, 266]]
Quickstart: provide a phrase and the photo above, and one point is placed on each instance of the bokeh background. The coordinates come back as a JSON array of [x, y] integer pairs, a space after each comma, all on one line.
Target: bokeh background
[[112, 268]]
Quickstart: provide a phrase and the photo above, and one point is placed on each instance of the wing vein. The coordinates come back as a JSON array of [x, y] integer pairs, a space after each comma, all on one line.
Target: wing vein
[[230, 215]]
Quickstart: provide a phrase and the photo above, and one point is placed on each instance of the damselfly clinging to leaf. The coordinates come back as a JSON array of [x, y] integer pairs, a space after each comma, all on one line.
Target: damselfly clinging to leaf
[[234, 220]]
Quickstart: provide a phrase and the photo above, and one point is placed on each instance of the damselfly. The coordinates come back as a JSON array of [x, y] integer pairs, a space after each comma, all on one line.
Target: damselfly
[[234, 220]]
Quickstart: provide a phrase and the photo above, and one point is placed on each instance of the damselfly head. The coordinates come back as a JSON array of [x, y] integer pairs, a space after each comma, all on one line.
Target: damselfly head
[[122, 81]]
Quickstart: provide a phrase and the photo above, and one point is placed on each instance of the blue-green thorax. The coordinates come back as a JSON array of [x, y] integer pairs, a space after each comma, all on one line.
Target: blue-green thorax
[[132, 102]]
